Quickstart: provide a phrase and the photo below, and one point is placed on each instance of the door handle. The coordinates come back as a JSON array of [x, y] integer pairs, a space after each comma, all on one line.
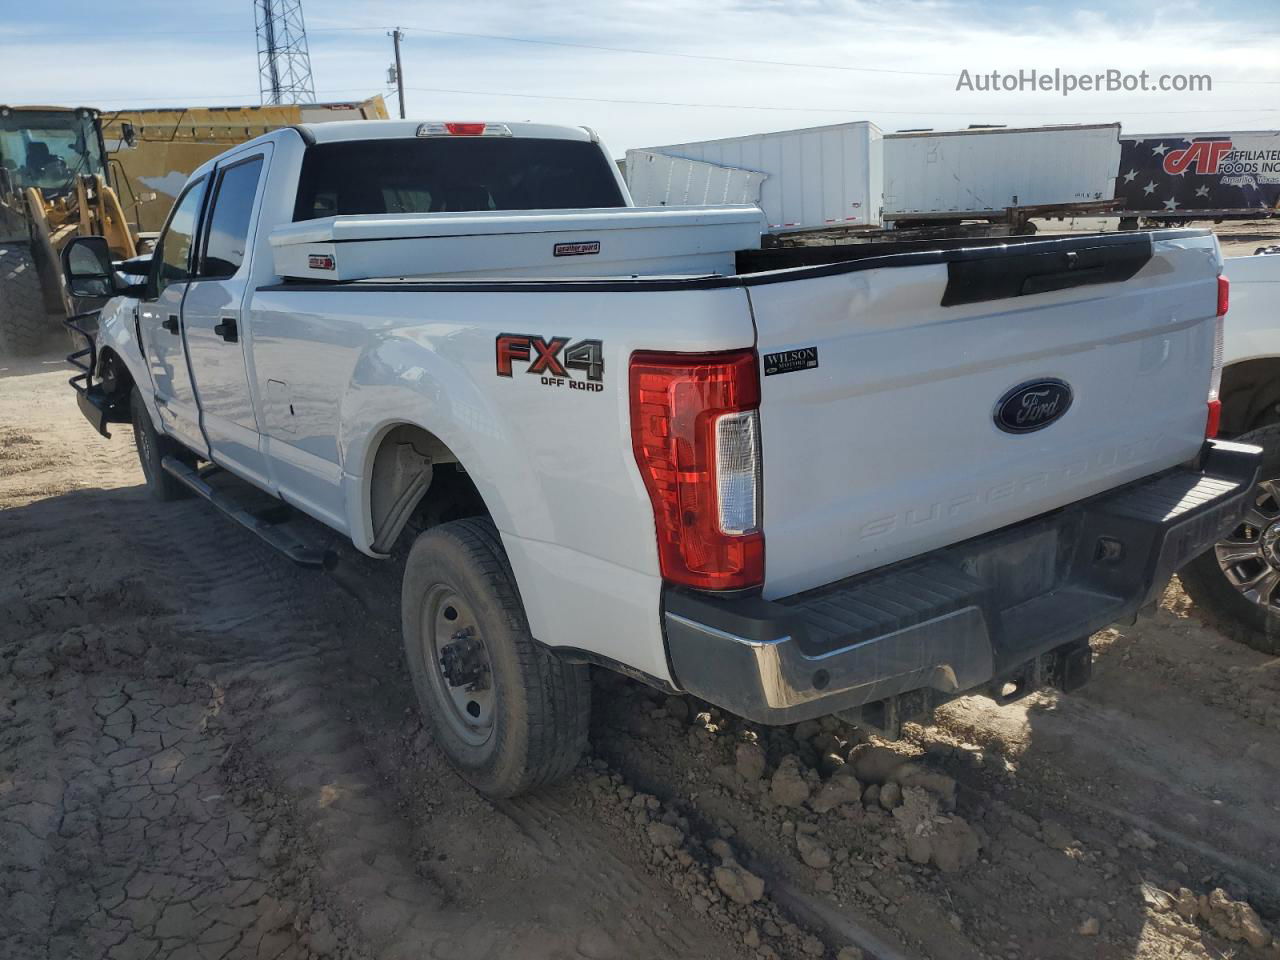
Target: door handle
[[171, 324], [227, 330]]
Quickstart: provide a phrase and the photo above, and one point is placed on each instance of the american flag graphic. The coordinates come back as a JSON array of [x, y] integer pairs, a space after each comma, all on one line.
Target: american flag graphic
[[1184, 174]]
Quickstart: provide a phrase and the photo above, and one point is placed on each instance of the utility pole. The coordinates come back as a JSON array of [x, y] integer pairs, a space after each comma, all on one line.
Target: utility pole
[[396, 36]]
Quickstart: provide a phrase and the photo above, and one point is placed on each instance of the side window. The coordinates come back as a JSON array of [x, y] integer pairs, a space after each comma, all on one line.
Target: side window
[[173, 254], [227, 234]]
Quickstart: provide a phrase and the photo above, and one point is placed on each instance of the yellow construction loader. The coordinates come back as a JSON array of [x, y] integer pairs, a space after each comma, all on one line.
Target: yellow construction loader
[[53, 187], [74, 172]]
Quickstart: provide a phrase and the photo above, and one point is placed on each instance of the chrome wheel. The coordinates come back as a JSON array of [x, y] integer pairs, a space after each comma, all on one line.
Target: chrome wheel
[[1250, 556], [458, 665]]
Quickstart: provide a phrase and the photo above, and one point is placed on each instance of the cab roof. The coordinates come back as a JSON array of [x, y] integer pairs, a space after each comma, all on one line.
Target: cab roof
[[335, 131], [33, 108]]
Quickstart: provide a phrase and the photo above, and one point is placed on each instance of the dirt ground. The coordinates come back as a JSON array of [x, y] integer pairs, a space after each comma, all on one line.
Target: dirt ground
[[206, 752]]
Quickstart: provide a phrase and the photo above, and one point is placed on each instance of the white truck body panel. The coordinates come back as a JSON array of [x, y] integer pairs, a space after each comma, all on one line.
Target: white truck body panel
[[656, 179], [894, 427], [532, 243], [351, 366], [1252, 330], [816, 178], [986, 171]]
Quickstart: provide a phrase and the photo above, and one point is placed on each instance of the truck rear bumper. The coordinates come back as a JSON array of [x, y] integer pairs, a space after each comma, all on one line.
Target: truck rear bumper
[[968, 618]]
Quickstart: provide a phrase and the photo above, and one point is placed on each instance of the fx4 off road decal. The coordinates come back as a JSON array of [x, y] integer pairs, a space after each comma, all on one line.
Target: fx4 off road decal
[[553, 359]]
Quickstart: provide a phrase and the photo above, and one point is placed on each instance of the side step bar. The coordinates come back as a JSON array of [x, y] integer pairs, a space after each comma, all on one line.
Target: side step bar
[[272, 524]]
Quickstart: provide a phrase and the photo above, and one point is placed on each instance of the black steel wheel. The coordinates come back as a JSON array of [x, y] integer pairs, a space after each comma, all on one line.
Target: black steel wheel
[[509, 714]]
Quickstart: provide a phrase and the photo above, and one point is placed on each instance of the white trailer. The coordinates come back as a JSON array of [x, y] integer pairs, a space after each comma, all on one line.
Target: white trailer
[[811, 179], [981, 173]]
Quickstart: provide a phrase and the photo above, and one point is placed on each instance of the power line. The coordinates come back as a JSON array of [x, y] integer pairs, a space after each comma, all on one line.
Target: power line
[[683, 56], [847, 111], [502, 38]]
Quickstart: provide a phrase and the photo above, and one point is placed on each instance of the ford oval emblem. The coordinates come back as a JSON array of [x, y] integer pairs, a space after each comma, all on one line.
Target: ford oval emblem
[[1033, 405]]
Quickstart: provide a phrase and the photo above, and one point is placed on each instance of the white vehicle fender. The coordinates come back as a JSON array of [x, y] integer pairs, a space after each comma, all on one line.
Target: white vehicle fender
[[118, 333], [400, 381]]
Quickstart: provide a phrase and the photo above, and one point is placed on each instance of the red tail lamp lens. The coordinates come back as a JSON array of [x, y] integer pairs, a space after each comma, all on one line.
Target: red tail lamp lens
[[700, 460]]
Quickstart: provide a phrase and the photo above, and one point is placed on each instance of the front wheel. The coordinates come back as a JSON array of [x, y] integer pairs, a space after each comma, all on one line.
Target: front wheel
[[508, 713], [1238, 579], [153, 447]]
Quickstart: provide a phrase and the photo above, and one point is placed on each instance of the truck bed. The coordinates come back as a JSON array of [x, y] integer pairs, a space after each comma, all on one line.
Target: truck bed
[[913, 345]]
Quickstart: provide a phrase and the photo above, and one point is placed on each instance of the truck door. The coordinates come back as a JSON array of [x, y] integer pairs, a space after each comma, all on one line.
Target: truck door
[[218, 343], [160, 320]]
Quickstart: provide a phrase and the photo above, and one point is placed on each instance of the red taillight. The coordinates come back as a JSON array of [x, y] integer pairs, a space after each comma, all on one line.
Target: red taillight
[[465, 129], [1214, 418], [695, 431]]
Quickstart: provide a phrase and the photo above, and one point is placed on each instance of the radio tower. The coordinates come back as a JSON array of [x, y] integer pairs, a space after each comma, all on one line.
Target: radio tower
[[284, 64]]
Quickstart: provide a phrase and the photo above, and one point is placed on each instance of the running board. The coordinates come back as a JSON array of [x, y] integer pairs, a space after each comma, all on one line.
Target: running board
[[272, 524]]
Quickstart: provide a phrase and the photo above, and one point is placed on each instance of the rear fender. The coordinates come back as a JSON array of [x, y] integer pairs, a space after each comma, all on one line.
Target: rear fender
[[398, 382]]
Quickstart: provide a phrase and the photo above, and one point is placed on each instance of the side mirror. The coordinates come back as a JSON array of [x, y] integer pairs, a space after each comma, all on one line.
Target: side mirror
[[86, 266]]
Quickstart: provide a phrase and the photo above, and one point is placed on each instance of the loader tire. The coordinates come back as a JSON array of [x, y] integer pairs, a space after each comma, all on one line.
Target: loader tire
[[509, 714], [1236, 582], [25, 327]]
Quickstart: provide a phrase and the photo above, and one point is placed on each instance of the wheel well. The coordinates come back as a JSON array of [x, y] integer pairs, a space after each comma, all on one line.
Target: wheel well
[[114, 377], [1250, 395], [416, 482]]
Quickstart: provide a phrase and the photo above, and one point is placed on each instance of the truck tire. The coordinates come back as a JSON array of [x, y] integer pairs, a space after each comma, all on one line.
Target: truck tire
[[24, 325], [508, 713], [153, 447], [1238, 580]]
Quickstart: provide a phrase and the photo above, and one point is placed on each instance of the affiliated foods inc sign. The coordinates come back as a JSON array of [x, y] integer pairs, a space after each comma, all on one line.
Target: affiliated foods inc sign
[[1185, 173]]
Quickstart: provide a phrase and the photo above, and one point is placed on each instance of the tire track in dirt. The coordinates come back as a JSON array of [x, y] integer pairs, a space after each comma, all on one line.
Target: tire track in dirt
[[278, 644]]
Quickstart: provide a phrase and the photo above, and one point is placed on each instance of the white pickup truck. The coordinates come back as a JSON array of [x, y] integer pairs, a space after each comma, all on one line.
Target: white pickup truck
[[792, 482]]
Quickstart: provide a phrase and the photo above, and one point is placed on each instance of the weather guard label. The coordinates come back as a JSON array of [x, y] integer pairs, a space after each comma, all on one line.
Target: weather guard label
[[789, 361], [580, 249]]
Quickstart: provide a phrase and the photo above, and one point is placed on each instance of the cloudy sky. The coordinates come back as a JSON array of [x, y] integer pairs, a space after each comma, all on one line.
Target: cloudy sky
[[646, 72]]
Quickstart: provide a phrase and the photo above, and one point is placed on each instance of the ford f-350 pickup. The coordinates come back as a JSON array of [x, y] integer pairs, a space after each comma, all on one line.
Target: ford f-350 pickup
[[856, 479]]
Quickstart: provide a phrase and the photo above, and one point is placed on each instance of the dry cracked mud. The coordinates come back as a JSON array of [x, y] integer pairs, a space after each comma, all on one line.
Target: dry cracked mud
[[208, 753]]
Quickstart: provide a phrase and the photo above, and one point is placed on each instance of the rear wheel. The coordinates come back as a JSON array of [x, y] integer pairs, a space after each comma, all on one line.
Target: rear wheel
[[509, 714], [1238, 579], [153, 447], [24, 326]]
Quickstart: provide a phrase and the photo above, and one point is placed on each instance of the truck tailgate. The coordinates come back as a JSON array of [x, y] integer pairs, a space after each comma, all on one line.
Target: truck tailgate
[[889, 447]]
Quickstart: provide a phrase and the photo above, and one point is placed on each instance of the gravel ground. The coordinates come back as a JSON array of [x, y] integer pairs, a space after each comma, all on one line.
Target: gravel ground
[[206, 752]]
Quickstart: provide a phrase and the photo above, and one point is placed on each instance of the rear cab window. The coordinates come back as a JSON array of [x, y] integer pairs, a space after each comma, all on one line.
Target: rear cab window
[[454, 174]]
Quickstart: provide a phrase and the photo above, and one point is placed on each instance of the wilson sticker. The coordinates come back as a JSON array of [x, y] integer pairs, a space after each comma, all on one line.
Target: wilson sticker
[[789, 361], [320, 261], [582, 249], [553, 360]]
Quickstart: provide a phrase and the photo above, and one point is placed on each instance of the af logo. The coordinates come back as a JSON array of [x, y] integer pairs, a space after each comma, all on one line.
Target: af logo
[[1205, 155], [553, 359]]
